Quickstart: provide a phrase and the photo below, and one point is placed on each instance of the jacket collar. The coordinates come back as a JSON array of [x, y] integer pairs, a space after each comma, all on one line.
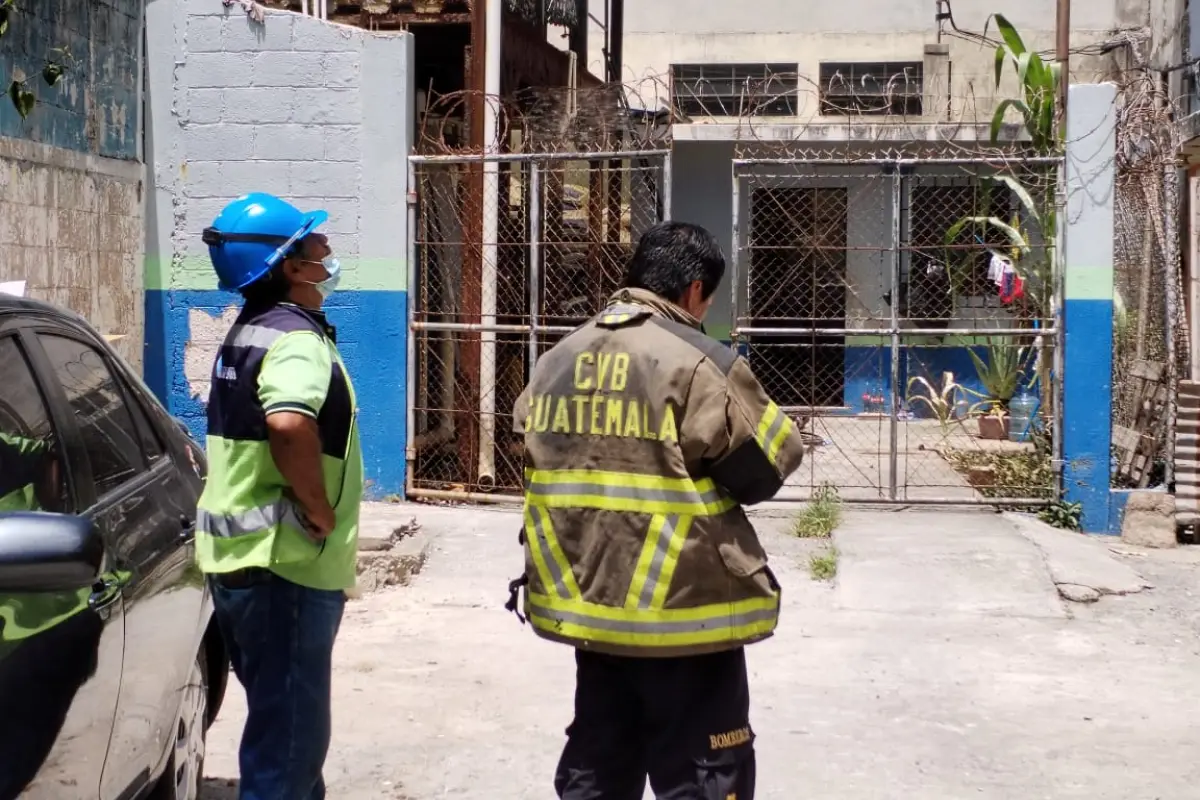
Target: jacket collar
[[316, 315], [660, 306]]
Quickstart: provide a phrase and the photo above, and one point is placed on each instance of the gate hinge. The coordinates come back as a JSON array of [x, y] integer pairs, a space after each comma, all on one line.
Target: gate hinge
[[412, 198], [1057, 465]]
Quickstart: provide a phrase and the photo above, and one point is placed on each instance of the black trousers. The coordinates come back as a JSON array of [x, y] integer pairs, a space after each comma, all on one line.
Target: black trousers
[[684, 722]]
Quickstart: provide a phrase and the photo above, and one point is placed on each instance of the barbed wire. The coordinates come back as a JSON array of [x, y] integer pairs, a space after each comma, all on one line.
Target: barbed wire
[[783, 115]]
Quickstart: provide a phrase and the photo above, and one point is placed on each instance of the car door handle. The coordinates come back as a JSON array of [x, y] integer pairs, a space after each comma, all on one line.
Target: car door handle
[[105, 592]]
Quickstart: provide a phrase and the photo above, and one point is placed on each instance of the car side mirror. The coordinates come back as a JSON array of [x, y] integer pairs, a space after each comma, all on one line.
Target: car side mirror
[[42, 552]]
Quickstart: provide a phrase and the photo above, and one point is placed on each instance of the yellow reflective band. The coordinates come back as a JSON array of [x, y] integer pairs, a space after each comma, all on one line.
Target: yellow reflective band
[[548, 557], [577, 619], [773, 430], [625, 491], [656, 565], [670, 561]]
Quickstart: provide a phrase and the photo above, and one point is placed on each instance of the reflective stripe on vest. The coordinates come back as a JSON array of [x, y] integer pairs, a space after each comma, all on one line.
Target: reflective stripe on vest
[[250, 521], [577, 619], [624, 491]]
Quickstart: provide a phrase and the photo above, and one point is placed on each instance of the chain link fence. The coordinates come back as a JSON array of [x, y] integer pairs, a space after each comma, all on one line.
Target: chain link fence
[[509, 254], [902, 310]]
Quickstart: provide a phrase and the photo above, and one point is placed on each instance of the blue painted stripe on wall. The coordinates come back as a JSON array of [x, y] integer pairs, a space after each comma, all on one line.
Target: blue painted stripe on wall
[[1087, 409], [372, 330]]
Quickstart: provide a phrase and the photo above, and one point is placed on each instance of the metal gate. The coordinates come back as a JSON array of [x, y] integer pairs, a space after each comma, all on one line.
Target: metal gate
[[905, 310], [507, 254]]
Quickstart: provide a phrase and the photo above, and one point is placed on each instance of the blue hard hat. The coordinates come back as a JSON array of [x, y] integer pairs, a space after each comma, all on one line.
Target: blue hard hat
[[253, 234]]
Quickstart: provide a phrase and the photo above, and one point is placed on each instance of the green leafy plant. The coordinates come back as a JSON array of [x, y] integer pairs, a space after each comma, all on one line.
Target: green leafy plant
[[1062, 514], [56, 67], [1038, 81], [6, 8], [1022, 474], [944, 402], [821, 516], [1000, 372], [824, 566], [22, 99]]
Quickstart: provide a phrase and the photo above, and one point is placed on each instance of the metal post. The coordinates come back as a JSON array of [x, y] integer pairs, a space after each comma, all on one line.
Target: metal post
[[1170, 225], [665, 189], [894, 422], [414, 293], [1063, 31], [535, 259], [1059, 295], [735, 251]]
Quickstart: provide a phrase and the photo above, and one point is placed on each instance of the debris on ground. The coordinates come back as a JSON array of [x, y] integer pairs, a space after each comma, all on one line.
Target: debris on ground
[[390, 561]]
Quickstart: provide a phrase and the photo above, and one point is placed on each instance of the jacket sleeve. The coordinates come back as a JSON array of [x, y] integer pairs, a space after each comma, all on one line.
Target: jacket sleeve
[[748, 444]]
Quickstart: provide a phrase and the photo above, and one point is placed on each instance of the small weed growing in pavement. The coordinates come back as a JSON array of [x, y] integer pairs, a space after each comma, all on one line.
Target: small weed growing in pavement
[[1062, 514], [821, 516], [823, 566]]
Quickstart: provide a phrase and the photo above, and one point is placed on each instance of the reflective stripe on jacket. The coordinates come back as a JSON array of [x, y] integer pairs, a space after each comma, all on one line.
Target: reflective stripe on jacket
[[643, 440], [245, 517]]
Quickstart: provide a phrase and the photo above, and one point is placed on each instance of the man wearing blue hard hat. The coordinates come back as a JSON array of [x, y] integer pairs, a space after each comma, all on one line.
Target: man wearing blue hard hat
[[277, 524]]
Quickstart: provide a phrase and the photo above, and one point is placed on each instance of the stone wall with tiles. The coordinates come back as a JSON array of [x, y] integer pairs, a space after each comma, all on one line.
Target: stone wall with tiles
[[71, 227], [317, 113]]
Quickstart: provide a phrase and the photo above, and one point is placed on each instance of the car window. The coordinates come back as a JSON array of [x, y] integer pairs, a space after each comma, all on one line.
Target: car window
[[108, 431], [151, 444], [32, 477]]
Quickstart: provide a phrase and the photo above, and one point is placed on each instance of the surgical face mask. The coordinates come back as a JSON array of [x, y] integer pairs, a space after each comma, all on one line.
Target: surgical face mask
[[334, 268]]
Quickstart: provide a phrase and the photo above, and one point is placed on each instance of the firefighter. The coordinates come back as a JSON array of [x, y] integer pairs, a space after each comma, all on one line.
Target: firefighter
[[644, 439], [277, 524]]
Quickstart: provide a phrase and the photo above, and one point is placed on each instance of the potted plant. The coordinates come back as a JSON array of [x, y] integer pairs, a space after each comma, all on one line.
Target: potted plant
[[999, 371], [994, 423]]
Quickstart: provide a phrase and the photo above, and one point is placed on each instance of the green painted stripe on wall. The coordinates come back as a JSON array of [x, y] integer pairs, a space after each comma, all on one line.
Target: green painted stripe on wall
[[1089, 282], [196, 273]]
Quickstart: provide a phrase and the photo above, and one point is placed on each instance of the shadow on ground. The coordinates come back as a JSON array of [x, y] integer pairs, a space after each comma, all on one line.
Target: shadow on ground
[[218, 789]]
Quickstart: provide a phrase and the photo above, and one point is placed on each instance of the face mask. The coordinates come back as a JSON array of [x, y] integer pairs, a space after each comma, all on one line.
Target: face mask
[[334, 268]]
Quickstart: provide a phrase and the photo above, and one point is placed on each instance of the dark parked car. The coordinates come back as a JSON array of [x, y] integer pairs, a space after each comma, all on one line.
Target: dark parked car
[[111, 665]]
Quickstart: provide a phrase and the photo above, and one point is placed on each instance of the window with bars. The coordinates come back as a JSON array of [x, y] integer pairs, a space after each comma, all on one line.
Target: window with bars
[[882, 88], [733, 90]]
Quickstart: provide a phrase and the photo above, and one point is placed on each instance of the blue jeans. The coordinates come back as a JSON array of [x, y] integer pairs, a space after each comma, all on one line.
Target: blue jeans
[[280, 639]]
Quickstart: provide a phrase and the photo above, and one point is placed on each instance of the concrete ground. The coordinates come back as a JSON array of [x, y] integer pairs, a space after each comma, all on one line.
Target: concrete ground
[[940, 663], [855, 458]]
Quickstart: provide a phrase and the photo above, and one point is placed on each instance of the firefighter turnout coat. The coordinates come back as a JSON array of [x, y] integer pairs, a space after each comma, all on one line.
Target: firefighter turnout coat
[[644, 438]]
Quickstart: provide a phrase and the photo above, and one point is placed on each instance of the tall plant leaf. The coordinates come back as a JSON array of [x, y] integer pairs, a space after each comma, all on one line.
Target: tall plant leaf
[[1009, 34], [1014, 236], [1002, 109], [1022, 194]]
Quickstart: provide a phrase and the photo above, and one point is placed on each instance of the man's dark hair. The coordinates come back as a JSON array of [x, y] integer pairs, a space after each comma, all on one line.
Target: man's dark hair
[[268, 290], [673, 254]]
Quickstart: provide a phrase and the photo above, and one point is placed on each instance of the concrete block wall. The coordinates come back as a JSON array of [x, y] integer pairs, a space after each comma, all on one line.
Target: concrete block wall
[[317, 113], [71, 227], [71, 179]]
